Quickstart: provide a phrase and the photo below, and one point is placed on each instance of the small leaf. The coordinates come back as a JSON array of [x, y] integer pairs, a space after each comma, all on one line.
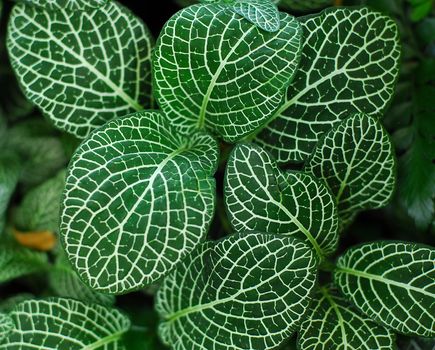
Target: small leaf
[[260, 197], [81, 68], [68, 5], [350, 63], [333, 324], [247, 291], [393, 283], [229, 82], [58, 323], [138, 198], [356, 161], [262, 13]]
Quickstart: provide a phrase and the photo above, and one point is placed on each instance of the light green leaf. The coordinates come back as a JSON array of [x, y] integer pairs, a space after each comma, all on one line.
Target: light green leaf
[[66, 283], [17, 261], [349, 64], [261, 197], [262, 13], [39, 210], [356, 160], [68, 5], [229, 82], [247, 291], [393, 283], [304, 5], [333, 324], [9, 175], [58, 323], [139, 197], [81, 68], [6, 325]]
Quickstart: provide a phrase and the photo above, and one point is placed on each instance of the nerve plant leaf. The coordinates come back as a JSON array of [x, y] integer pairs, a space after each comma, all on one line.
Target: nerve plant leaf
[[6, 325], [349, 64], [213, 69], [261, 197], [356, 160], [393, 283], [247, 291], [58, 323], [68, 5], [332, 323], [81, 68], [138, 198]]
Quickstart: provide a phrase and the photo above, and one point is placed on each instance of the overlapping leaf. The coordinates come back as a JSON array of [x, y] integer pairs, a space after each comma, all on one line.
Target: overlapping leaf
[[139, 197], [349, 64], [58, 323], [259, 196], [248, 291], [215, 70], [69, 5], [356, 160], [6, 325], [333, 324], [393, 283], [81, 68]]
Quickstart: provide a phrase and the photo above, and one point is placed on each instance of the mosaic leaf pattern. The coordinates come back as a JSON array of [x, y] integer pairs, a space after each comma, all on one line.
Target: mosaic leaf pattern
[[6, 325], [393, 283], [247, 291], [138, 198], [215, 70], [261, 197], [356, 160], [262, 13], [349, 64], [58, 323], [333, 324], [81, 68], [69, 5]]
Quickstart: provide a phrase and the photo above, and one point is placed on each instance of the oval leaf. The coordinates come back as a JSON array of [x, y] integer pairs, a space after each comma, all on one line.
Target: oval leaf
[[349, 64], [248, 291], [393, 283], [58, 323], [333, 324], [356, 160], [260, 197], [138, 199], [228, 82], [69, 5], [81, 68]]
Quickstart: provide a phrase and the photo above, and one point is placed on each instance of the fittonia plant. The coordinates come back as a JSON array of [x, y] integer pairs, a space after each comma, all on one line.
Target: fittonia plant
[[139, 195]]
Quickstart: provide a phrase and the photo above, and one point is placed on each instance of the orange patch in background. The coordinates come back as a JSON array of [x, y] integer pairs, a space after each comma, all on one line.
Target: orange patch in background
[[39, 240]]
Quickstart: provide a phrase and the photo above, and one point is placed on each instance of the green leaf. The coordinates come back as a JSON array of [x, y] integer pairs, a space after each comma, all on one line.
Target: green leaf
[[356, 161], [304, 5], [333, 324], [6, 326], [247, 291], [7, 305], [349, 64], [81, 68], [68, 5], [66, 283], [393, 283], [9, 175], [39, 210], [229, 82], [17, 261], [261, 197], [262, 13], [58, 323], [139, 197]]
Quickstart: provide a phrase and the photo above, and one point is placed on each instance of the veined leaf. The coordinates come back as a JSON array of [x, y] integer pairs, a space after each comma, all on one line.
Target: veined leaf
[[7, 305], [58, 323], [139, 197], [393, 283], [356, 160], [247, 291], [349, 64], [6, 325], [333, 324], [69, 5], [304, 5], [39, 210], [16, 261], [261, 197], [215, 70], [81, 68]]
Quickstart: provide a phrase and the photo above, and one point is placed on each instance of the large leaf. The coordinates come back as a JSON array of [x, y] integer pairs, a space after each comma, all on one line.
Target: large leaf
[[261, 197], [247, 291], [349, 64], [333, 324], [393, 283], [39, 210], [356, 160], [58, 323], [81, 68], [68, 5], [215, 70], [139, 197], [6, 325]]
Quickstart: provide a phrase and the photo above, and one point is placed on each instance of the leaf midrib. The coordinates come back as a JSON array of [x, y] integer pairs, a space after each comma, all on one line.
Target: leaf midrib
[[338, 314], [104, 341]]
